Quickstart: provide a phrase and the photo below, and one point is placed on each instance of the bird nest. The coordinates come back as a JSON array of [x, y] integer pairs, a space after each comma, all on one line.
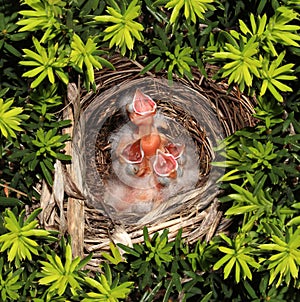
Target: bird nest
[[86, 195]]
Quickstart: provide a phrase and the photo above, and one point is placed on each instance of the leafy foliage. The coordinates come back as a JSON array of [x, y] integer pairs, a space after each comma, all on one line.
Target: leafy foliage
[[44, 100], [255, 44], [9, 282], [285, 262], [43, 15], [59, 275], [259, 159], [271, 76], [243, 65], [253, 157], [171, 56], [106, 289], [275, 31], [125, 30], [87, 55], [48, 277], [155, 254], [266, 36], [18, 240], [245, 202], [11, 42], [10, 119], [238, 254], [8, 34], [47, 63], [43, 150], [192, 8], [116, 256], [265, 292]]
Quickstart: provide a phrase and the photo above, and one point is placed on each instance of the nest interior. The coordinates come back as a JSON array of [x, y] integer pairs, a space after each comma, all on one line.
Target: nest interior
[[206, 110]]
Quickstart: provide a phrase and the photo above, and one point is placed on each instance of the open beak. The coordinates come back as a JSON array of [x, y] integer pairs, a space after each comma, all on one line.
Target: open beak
[[142, 104], [133, 153], [142, 109], [175, 149], [165, 165]]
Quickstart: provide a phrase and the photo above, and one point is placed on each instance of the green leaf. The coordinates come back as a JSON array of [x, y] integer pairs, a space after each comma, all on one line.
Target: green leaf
[[47, 173], [221, 262], [125, 30], [63, 157], [10, 118], [294, 221], [191, 9], [10, 201], [128, 250], [228, 268], [12, 50], [116, 257], [150, 65], [207, 297], [17, 240], [238, 210]]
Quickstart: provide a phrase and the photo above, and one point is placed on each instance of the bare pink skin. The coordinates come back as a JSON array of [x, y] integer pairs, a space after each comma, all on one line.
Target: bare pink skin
[[133, 153], [150, 143], [124, 197], [165, 164], [141, 111], [143, 104], [151, 152], [175, 149]]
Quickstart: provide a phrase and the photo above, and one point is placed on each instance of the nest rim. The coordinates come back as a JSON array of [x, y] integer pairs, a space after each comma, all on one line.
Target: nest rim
[[199, 219], [202, 126]]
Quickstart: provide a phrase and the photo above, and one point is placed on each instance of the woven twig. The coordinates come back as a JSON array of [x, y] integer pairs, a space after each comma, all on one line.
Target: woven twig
[[195, 211]]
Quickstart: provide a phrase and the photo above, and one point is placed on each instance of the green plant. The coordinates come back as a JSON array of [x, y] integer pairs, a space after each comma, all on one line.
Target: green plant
[[11, 42], [116, 256], [59, 276], [263, 40], [192, 8], [47, 147], [10, 118], [243, 64], [154, 255], [19, 241], [105, 288], [8, 34], [238, 254], [244, 201], [284, 263], [125, 30], [159, 266], [10, 282], [296, 219], [204, 254], [261, 182], [44, 15], [261, 155], [247, 157], [266, 292], [44, 101], [156, 249], [89, 55], [180, 61], [276, 31], [271, 74], [171, 56], [47, 63]]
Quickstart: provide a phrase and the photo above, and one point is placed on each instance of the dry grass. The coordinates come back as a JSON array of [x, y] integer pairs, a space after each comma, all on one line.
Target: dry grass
[[197, 211]]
